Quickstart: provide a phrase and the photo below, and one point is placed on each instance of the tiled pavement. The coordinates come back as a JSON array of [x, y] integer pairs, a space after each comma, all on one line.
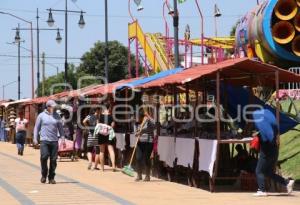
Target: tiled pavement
[[19, 184]]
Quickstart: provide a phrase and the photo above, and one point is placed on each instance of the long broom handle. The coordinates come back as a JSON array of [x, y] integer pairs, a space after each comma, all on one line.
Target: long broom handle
[[135, 146]]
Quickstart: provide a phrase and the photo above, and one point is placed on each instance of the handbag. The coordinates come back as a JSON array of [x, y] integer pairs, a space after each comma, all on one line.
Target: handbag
[[255, 143], [102, 129]]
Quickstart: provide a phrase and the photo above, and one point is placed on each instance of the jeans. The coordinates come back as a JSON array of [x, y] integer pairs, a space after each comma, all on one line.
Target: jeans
[[143, 154], [48, 149], [20, 140], [265, 166]]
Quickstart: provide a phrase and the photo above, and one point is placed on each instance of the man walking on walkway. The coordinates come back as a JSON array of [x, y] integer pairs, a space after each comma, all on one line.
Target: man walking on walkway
[[265, 123], [47, 125]]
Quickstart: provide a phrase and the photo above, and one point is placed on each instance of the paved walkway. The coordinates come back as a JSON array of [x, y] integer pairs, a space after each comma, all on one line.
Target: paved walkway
[[19, 184]]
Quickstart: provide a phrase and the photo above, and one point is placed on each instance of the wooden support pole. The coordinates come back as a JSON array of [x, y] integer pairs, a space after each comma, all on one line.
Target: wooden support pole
[[277, 105], [218, 132]]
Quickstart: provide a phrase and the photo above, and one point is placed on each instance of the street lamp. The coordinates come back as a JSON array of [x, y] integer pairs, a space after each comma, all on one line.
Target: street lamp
[[176, 31], [50, 20], [170, 12], [139, 8], [81, 24], [18, 42], [38, 29], [58, 37], [4, 86], [170, 8], [106, 51], [31, 39], [217, 14], [17, 37], [202, 32], [139, 5]]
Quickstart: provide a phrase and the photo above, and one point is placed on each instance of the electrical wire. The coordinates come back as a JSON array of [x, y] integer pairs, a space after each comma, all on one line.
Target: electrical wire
[[125, 16], [48, 57]]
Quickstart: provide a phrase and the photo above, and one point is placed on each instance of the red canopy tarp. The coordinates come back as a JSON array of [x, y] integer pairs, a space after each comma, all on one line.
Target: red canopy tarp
[[241, 71], [107, 88], [86, 91]]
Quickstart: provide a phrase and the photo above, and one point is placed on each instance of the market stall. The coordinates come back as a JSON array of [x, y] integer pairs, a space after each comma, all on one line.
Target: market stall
[[207, 85], [10, 111]]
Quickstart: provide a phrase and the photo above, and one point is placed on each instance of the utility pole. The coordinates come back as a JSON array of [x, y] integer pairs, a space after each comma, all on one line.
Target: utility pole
[[106, 42], [43, 71], [38, 48], [19, 68], [176, 24], [66, 44]]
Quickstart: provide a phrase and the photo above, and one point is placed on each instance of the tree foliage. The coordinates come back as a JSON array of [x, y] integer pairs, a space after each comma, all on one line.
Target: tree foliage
[[92, 64]]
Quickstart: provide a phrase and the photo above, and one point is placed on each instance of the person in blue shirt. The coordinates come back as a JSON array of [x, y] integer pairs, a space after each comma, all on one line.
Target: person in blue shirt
[[48, 124], [266, 125]]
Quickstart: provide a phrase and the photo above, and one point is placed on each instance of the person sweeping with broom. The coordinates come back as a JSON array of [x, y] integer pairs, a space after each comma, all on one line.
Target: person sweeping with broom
[[143, 147]]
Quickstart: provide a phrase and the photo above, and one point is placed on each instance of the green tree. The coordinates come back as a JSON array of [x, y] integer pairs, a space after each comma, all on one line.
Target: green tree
[[52, 83], [233, 28], [92, 64], [93, 61]]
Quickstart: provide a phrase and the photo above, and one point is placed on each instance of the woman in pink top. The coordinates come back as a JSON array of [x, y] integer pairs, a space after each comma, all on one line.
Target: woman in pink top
[[21, 127]]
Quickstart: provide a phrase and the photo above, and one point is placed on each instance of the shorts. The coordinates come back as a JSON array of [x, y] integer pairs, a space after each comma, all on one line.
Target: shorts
[[104, 140], [94, 148]]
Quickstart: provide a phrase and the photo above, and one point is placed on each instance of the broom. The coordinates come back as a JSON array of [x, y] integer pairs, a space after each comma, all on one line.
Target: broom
[[128, 170]]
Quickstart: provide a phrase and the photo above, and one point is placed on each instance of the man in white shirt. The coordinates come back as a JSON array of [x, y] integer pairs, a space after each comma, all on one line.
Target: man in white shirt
[[21, 127]]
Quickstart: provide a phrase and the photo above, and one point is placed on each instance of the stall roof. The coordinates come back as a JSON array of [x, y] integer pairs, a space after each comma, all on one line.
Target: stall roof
[[238, 71], [86, 91], [145, 80], [108, 88], [3, 101], [6, 104]]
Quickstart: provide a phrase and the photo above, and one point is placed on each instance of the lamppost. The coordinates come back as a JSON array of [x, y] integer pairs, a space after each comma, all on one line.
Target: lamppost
[[106, 52], [18, 42], [170, 12], [38, 29], [81, 24], [31, 39], [202, 32], [176, 25], [217, 14], [139, 8], [4, 86]]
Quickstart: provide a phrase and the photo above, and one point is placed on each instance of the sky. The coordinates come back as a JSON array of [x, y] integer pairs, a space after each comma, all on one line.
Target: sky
[[81, 40]]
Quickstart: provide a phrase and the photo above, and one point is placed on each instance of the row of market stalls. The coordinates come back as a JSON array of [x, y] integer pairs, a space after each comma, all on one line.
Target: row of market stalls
[[197, 112]]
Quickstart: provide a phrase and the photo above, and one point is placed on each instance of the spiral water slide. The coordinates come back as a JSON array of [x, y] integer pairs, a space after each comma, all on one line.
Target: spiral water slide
[[272, 31]]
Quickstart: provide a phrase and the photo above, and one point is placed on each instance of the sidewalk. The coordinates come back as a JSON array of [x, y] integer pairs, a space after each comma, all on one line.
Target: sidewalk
[[19, 180]]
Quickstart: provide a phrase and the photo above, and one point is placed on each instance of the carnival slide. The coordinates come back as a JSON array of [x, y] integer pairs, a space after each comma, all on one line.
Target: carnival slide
[[153, 46]]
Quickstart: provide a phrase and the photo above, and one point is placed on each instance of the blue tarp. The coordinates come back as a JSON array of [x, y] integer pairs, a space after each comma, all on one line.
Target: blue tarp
[[150, 78], [240, 96], [265, 123]]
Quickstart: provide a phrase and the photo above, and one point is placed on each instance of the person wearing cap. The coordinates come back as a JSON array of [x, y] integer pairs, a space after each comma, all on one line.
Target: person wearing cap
[[48, 125]]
